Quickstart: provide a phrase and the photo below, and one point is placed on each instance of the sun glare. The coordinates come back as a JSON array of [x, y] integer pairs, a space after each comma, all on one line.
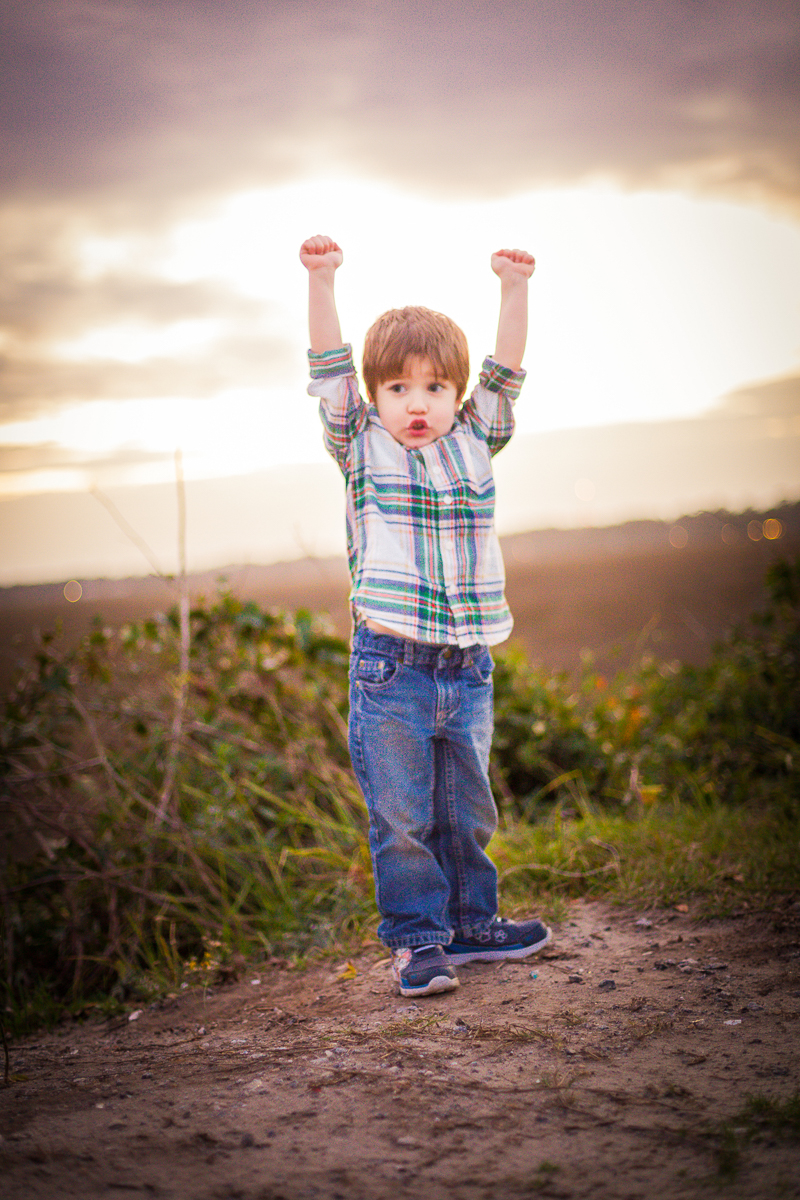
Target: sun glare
[[643, 307], [132, 343]]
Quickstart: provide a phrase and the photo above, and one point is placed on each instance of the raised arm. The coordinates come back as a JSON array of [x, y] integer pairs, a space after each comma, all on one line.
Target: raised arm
[[321, 256], [514, 268]]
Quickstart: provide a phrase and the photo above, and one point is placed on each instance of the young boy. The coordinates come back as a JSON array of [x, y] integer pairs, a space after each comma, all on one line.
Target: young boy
[[427, 600]]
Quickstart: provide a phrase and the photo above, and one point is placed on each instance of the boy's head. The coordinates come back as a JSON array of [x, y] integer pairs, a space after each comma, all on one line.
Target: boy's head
[[415, 333]]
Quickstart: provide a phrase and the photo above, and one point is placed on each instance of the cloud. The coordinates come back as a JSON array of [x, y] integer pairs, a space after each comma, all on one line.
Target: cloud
[[39, 384], [145, 104], [127, 117], [51, 456], [773, 398], [46, 302]]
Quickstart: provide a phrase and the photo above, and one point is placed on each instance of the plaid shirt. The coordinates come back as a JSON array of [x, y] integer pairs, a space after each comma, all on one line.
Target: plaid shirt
[[423, 554]]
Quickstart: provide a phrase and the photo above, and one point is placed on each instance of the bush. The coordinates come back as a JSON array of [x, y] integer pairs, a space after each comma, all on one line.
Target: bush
[[733, 726], [136, 840], [160, 822], [729, 730]]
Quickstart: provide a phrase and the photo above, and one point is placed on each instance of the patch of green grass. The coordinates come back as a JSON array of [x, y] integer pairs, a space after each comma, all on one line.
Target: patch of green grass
[[714, 855], [761, 1116]]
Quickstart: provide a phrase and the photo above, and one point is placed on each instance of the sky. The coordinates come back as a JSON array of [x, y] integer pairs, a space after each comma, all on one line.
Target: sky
[[162, 160]]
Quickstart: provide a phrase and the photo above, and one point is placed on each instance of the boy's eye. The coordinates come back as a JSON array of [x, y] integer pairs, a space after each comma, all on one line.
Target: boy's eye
[[435, 387]]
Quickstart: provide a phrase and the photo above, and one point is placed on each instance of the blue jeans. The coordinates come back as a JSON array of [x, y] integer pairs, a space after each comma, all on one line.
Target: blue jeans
[[421, 722]]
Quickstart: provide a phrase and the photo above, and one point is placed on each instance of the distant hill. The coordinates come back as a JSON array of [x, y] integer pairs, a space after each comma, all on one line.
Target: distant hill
[[613, 590]]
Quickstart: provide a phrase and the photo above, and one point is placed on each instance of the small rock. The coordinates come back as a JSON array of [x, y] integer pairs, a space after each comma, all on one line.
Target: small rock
[[607, 985], [644, 923], [248, 1140], [576, 979]]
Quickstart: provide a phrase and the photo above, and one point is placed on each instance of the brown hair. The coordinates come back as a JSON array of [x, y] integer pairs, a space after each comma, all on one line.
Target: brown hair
[[404, 333]]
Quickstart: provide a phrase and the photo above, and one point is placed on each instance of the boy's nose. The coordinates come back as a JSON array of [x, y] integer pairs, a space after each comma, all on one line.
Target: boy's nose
[[417, 401]]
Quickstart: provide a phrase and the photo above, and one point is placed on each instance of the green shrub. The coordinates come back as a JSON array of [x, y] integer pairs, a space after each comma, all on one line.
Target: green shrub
[[729, 730], [254, 840], [157, 825]]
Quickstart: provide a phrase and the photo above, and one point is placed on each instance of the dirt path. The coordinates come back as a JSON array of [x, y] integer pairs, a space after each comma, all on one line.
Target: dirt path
[[603, 1068]]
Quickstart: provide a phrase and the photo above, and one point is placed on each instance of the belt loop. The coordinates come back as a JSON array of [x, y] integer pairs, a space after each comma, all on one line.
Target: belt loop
[[408, 652]]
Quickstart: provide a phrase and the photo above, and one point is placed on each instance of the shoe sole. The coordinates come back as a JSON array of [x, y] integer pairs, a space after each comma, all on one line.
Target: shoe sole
[[457, 958], [440, 983]]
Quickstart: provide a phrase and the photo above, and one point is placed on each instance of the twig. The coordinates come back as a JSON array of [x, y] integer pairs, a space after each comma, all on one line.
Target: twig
[[130, 532], [612, 866], [183, 661], [5, 1053], [32, 776]]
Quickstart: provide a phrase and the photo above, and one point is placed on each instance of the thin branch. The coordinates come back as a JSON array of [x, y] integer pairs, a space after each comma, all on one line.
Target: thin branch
[[182, 682], [131, 533]]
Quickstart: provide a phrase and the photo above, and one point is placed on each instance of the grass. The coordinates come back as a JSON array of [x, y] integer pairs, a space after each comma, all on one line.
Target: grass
[[761, 1118], [717, 856], [164, 824]]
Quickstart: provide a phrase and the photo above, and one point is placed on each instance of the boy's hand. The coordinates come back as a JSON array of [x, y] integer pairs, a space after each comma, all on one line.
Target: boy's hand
[[320, 253], [514, 268], [510, 263], [321, 256]]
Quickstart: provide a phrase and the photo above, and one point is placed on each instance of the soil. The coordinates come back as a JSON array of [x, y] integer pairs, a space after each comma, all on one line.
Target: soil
[[614, 1064]]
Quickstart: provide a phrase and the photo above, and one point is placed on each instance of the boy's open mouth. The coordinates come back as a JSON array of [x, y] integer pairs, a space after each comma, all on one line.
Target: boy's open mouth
[[418, 426]]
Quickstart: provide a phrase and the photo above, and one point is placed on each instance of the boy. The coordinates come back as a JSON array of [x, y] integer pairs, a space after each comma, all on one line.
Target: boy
[[427, 600]]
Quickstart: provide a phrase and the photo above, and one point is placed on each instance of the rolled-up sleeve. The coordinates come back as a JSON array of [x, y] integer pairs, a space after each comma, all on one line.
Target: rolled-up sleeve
[[341, 408], [489, 411]]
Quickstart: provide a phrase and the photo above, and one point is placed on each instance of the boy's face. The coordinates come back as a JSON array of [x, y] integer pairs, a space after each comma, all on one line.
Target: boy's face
[[417, 408]]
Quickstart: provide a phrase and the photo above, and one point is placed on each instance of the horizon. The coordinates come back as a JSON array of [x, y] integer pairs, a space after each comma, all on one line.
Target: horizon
[[774, 526]]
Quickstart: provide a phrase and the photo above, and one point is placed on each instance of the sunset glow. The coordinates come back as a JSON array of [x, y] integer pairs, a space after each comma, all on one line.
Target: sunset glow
[[634, 316], [152, 297]]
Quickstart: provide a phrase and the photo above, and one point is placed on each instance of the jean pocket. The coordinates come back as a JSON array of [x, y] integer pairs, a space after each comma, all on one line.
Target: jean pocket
[[480, 669], [374, 673]]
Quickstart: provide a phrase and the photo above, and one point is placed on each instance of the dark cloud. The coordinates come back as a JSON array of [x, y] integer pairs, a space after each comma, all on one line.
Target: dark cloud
[[158, 103]]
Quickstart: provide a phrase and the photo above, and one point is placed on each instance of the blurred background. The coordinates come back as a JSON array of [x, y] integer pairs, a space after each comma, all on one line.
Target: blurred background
[[162, 160]]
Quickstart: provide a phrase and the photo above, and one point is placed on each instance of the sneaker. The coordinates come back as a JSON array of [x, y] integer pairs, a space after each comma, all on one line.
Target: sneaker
[[422, 971], [503, 939]]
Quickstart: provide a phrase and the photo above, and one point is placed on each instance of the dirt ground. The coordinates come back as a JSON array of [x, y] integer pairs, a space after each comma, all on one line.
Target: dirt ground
[[606, 1066]]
